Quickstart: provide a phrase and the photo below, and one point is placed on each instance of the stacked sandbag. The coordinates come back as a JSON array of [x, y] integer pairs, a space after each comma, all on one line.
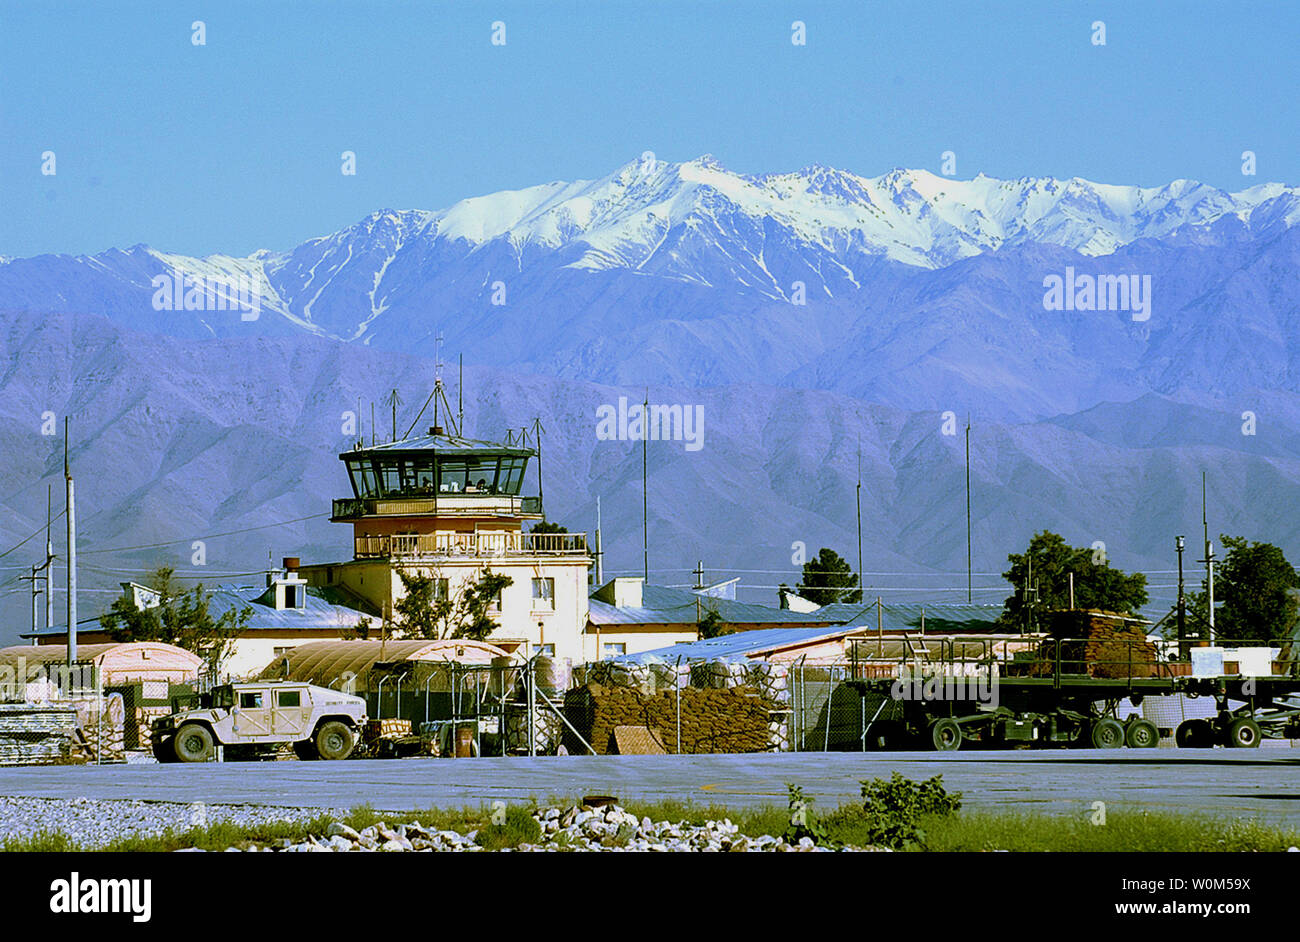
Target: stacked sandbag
[[1099, 644], [734, 719]]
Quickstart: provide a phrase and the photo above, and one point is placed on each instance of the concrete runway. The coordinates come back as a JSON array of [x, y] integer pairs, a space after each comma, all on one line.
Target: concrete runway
[[1261, 782]]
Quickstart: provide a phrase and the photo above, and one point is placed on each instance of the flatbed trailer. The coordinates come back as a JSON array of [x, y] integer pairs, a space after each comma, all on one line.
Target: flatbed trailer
[[1046, 699]]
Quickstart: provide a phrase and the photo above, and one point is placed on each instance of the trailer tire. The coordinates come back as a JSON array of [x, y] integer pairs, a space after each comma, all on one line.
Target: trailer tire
[[193, 743], [1142, 734], [1107, 734], [334, 740], [164, 750], [945, 734], [1244, 733]]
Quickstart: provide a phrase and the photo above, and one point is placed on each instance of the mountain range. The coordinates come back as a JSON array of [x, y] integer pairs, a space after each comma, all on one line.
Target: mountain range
[[813, 314]]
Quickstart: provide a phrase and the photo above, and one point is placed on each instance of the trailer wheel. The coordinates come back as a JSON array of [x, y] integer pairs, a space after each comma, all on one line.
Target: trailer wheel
[[1244, 733], [193, 743], [1195, 734], [334, 740], [1142, 734], [945, 734], [1107, 734]]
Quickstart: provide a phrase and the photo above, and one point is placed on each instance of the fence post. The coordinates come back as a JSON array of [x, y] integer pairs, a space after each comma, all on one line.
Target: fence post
[[677, 686]]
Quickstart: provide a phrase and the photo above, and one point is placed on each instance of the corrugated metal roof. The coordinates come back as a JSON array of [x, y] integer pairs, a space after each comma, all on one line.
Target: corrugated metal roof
[[741, 644], [661, 605], [940, 617], [317, 614]]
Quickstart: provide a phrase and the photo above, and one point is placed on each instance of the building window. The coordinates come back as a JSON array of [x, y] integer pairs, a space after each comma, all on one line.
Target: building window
[[546, 650], [495, 605], [544, 595], [613, 649], [440, 590]]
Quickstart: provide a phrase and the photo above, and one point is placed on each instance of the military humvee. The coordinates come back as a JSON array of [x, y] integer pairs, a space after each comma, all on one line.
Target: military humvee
[[255, 717]]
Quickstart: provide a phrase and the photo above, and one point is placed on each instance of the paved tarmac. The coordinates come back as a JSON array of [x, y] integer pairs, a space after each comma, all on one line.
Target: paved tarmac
[[1262, 782]]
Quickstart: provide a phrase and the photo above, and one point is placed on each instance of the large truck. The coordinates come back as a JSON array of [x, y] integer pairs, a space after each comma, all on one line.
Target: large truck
[[1061, 695], [252, 719]]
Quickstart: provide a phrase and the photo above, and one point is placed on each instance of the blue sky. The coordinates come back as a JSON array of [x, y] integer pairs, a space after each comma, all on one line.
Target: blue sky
[[236, 145]]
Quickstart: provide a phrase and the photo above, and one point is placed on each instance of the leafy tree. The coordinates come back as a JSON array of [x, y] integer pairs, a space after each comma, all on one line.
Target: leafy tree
[[711, 625], [545, 526], [1096, 584], [827, 579], [180, 618], [361, 630], [427, 612], [1251, 594]]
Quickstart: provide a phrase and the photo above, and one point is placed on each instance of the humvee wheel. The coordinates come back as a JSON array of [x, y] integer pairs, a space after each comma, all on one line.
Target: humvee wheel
[[305, 750], [1142, 734], [334, 740], [165, 751], [193, 743], [1107, 734]]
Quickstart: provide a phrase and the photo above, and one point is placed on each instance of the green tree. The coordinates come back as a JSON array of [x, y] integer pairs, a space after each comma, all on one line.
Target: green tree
[[428, 611], [827, 579], [710, 624], [1097, 585], [180, 618], [545, 526], [1253, 601]]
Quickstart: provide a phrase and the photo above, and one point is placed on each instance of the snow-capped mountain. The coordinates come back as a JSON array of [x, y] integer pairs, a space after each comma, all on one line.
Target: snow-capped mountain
[[921, 296], [693, 223]]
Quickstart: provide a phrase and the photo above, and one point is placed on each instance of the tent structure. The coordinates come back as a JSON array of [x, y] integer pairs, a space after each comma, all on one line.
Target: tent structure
[[328, 663], [115, 662]]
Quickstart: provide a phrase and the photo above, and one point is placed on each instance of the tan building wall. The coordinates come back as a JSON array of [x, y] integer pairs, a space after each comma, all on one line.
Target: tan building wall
[[520, 617]]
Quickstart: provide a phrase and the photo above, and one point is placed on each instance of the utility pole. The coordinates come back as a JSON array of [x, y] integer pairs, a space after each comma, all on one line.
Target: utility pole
[[49, 559], [600, 553], [1209, 558], [72, 550], [861, 579], [35, 580], [699, 574], [645, 485], [538, 429], [1182, 602], [969, 591]]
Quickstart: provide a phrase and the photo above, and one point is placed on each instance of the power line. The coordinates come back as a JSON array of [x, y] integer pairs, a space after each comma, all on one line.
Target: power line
[[209, 536], [39, 530]]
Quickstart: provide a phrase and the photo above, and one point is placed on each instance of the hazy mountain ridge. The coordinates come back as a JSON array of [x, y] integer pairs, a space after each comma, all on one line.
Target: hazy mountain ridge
[[175, 439]]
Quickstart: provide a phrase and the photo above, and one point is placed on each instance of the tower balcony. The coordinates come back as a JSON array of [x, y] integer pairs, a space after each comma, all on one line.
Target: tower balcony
[[445, 505], [470, 545]]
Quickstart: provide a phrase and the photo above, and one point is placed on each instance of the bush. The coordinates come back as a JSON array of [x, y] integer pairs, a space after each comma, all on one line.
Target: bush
[[802, 823], [520, 827], [894, 809]]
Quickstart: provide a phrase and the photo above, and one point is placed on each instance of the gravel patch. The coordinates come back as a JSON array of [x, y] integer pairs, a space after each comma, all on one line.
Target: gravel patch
[[94, 822]]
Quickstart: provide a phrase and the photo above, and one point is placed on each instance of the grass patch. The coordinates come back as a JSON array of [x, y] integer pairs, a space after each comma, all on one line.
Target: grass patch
[[850, 824], [1123, 831], [517, 826]]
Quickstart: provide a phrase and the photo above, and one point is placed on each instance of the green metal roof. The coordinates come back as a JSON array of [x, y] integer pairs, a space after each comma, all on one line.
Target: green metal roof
[[441, 444]]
